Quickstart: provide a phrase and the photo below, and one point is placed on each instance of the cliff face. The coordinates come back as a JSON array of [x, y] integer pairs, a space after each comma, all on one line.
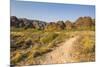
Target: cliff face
[[59, 25]]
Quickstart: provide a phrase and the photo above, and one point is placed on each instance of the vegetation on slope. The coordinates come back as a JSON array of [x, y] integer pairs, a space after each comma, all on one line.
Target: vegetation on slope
[[31, 39]]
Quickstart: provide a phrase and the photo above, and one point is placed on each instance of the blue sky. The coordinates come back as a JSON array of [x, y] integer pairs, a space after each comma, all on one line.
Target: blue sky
[[49, 11]]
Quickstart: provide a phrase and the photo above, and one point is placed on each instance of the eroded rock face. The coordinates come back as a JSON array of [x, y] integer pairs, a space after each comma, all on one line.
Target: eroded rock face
[[39, 24], [93, 21], [14, 21], [69, 25], [26, 23], [83, 21], [59, 25], [52, 26]]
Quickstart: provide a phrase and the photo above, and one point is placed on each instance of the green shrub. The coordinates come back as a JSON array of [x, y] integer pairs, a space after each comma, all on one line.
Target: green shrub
[[88, 44], [48, 38]]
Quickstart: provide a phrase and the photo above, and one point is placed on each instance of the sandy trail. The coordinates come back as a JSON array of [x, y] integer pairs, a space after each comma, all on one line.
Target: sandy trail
[[61, 54]]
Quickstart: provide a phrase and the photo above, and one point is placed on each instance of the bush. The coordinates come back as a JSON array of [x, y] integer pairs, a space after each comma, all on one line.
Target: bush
[[48, 38], [88, 44], [16, 58]]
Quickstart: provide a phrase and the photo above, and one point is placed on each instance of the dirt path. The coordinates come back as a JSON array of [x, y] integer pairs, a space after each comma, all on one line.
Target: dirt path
[[61, 54]]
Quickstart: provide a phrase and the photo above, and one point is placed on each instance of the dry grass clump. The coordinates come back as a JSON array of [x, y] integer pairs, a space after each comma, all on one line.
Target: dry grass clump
[[88, 44], [28, 45], [49, 37], [84, 50], [16, 58], [88, 41], [33, 44]]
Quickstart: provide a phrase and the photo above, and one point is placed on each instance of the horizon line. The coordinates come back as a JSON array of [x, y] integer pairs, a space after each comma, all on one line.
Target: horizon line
[[52, 21]]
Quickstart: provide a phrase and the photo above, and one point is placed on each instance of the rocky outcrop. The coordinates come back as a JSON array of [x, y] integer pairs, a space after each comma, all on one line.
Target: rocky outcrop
[[14, 21], [69, 25], [59, 25], [39, 24], [83, 21], [26, 23]]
